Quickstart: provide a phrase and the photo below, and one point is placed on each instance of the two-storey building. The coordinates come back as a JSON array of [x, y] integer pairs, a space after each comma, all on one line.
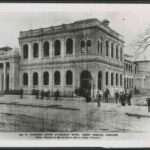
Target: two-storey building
[[86, 54]]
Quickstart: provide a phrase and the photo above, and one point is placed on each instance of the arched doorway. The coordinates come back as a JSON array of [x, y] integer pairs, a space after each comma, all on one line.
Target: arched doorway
[[85, 83]]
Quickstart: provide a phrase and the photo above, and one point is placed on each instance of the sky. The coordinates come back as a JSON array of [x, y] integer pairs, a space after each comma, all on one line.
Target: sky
[[127, 19]]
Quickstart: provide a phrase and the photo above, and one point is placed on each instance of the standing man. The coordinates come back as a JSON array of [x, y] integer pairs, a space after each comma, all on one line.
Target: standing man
[[117, 96], [42, 94], [106, 95], [98, 98], [21, 93]]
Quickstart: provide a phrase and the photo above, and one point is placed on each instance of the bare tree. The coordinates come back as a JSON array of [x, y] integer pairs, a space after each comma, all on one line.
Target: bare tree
[[141, 44]]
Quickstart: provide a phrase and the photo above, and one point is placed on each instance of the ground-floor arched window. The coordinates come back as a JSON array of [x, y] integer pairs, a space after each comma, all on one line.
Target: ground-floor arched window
[[107, 79], [112, 79], [100, 80], [69, 77], [125, 82], [121, 80], [57, 78], [25, 79], [46, 78], [35, 78], [116, 79]]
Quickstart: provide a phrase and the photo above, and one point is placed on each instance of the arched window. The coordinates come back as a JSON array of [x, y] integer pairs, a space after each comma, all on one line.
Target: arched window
[[107, 48], [116, 51], [121, 54], [99, 46], [116, 79], [57, 78], [112, 79], [107, 79], [88, 45], [100, 80], [46, 49], [25, 79], [69, 77], [112, 50], [46, 78], [69, 46], [82, 46], [25, 51], [35, 50], [121, 80], [125, 82], [57, 47], [35, 78]]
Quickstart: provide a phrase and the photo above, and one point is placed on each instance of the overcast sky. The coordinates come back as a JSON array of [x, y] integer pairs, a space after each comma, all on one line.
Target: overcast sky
[[128, 20]]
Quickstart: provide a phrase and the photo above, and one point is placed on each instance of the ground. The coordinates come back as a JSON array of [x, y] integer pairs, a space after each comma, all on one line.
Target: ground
[[31, 115]]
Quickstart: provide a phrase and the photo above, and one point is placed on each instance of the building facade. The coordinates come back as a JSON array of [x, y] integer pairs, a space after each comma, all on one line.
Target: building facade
[[129, 72], [86, 54]]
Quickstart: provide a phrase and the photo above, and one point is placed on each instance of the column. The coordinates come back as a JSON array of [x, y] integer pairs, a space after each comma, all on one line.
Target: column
[[103, 80], [63, 80], [74, 47], [118, 53], [40, 79], [30, 80], [63, 50], [10, 75], [109, 51], [4, 80], [50, 48], [50, 79], [30, 51], [40, 50], [73, 79]]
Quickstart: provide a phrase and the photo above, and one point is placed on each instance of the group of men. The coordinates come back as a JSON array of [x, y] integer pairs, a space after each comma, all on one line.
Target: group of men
[[123, 97], [40, 94]]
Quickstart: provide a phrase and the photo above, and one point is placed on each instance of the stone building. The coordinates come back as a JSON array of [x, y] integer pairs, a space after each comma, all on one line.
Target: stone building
[[9, 69], [129, 72], [86, 54], [142, 76]]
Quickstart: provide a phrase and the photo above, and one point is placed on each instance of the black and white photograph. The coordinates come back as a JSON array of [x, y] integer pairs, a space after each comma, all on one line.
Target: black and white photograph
[[75, 71]]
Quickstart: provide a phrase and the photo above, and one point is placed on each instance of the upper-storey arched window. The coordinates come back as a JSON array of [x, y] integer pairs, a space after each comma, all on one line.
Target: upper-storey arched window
[[57, 47], [46, 49], [69, 77], [99, 46], [121, 54], [45, 78], [25, 51], [69, 46], [82, 46], [117, 52], [88, 45], [107, 48], [112, 50], [57, 78], [35, 78], [25, 79], [35, 50]]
